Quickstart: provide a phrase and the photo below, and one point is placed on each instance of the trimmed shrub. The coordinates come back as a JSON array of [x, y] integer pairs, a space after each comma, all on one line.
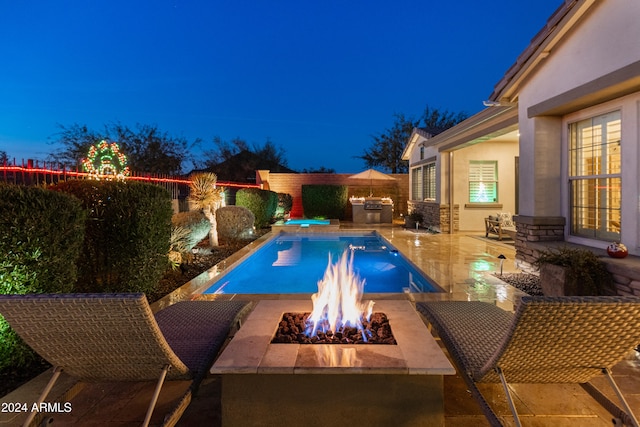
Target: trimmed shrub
[[38, 221], [127, 236], [262, 203], [196, 223], [41, 239], [326, 201], [234, 223], [285, 203]]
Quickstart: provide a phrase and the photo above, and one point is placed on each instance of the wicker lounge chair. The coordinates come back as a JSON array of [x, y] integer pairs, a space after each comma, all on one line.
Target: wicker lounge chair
[[116, 337], [546, 340]]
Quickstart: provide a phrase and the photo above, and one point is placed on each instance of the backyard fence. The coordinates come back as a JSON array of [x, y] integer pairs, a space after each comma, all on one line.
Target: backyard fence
[[48, 173]]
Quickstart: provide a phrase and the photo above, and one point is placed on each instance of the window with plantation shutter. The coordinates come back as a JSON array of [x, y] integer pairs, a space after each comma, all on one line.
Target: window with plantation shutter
[[423, 182], [429, 181], [416, 188], [483, 181], [595, 176]]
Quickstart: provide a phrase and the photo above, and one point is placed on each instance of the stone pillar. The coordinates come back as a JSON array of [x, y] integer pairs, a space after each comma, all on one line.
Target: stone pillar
[[536, 229], [262, 179], [436, 215]]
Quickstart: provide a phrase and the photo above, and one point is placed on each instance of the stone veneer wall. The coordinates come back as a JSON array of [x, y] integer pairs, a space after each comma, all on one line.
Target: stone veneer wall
[[535, 234], [626, 274], [436, 215], [538, 230]]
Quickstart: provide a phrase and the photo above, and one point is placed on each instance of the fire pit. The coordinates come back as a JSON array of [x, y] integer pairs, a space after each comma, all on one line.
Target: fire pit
[[285, 384], [339, 316], [266, 383]]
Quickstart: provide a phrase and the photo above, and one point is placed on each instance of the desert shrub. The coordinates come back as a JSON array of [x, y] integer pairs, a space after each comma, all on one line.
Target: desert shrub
[[234, 223], [262, 203], [179, 252], [326, 201], [585, 269], [127, 237], [196, 223], [34, 220], [285, 203]]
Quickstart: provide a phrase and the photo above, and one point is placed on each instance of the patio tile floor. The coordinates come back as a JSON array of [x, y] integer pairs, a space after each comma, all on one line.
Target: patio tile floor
[[463, 266]]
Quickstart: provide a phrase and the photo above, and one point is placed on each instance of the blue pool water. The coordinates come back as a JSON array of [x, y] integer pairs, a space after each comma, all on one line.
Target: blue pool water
[[294, 263]]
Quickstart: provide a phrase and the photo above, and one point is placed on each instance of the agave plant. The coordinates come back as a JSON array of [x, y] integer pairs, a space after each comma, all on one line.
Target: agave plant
[[208, 197], [178, 249]]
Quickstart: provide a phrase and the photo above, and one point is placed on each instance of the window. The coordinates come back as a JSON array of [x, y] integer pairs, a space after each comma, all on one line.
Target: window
[[483, 181], [423, 182], [429, 181], [422, 153], [594, 177], [416, 188]]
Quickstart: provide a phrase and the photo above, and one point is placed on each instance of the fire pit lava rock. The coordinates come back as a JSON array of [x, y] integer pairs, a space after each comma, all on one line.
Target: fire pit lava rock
[[291, 329]]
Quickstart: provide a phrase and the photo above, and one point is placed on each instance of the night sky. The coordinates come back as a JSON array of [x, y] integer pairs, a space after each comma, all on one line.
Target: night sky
[[317, 78]]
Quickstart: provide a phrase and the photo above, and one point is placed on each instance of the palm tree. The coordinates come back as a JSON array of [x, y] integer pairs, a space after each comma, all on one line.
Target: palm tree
[[205, 195]]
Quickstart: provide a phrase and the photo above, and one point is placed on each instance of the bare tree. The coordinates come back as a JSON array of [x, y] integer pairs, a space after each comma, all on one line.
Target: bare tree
[[386, 150], [147, 148]]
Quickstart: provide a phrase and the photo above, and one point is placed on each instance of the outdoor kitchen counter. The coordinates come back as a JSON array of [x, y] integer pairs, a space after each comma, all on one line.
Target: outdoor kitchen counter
[[372, 210], [374, 382]]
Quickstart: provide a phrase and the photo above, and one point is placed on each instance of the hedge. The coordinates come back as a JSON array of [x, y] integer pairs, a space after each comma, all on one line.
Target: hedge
[[34, 220], [262, 203], [41, 239], [326, 201], [127, 237]]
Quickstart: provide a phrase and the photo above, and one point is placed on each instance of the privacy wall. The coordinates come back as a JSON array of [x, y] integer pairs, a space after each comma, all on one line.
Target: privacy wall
[[292, 183]]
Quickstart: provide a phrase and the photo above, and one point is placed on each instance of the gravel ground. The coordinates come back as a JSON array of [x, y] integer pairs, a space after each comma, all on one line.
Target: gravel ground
[[529, 283]]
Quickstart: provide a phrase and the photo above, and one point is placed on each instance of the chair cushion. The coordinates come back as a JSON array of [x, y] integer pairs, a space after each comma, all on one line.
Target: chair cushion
[[506, 219], [196, 330]]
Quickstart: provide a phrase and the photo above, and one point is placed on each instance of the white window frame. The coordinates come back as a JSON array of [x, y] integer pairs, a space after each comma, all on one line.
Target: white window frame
[[423, 182], [429, 181], [483, 174], [595, 176]]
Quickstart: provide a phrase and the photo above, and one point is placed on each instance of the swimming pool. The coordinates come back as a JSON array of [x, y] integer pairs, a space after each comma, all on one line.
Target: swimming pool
[[293, 263]]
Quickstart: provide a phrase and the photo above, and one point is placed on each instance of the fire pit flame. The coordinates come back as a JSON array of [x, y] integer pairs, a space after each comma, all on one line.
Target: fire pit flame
[[337, 304]]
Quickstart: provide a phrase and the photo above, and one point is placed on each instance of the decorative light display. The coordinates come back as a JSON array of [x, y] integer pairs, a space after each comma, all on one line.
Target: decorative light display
[[105, 161]]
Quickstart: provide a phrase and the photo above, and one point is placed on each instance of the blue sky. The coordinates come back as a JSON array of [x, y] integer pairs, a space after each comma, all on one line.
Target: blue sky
[[317, 78]]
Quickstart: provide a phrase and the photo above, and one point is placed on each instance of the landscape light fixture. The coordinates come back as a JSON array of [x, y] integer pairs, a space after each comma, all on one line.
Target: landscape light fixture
[[501, 258]]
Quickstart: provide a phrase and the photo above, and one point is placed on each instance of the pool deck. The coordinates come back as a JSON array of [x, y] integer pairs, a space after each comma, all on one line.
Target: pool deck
[[462, 264]]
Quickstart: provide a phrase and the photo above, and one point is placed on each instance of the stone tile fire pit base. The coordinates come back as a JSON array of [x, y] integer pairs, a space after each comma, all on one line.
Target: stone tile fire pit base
[[332, 400], [266, 384]]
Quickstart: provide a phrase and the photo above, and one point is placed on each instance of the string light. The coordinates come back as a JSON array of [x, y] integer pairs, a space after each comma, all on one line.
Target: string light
[[106, 161], [145, 178]]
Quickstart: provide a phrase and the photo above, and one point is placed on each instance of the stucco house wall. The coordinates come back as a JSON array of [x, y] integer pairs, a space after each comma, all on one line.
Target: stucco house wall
[[579, 78], [472, 215]]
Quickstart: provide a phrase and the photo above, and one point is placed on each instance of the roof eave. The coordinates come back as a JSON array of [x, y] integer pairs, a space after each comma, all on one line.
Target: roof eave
[[416, 134], [485, 122], [561, 21]]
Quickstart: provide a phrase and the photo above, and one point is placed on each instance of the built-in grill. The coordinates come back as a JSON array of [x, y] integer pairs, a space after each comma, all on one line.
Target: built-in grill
[[372, 210], [373, 204]]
